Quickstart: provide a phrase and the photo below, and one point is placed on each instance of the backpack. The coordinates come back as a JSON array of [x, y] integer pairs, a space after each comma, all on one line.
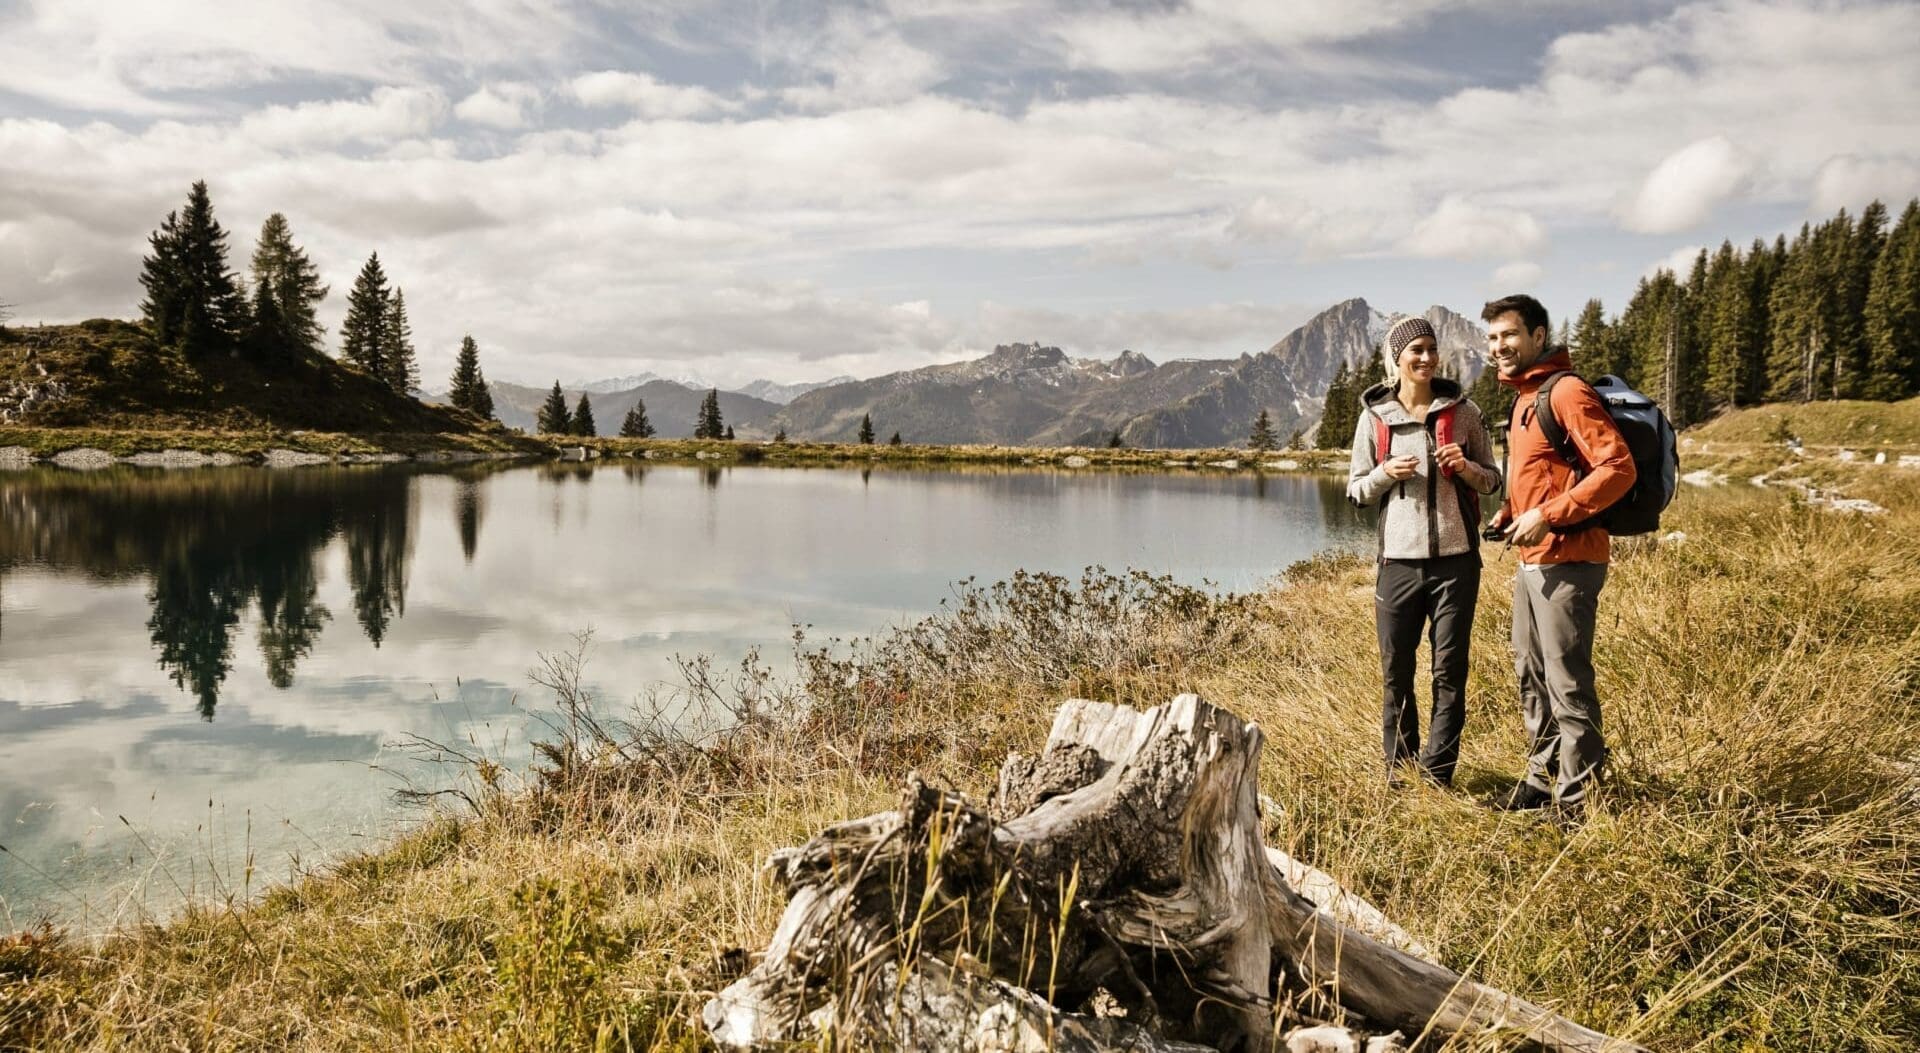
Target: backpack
[[1650, 439], [1442, 435]]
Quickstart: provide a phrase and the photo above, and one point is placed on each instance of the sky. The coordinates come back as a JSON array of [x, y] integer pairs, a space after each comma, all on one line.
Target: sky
[[794, 191]]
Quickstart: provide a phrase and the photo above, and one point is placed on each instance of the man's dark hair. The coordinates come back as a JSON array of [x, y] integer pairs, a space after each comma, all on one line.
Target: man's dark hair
[[1532, 313]]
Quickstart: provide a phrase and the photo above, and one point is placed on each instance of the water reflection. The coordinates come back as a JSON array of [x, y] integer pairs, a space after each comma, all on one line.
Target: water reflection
[[216, 543]]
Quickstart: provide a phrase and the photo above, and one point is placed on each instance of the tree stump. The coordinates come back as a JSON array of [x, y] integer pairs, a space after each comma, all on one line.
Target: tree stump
[[1117, 897]]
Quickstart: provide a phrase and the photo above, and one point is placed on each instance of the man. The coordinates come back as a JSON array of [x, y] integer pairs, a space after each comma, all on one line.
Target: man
[[1563, 556]]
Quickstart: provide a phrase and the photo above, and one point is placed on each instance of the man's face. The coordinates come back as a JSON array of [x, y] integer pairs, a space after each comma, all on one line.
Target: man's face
[[1511, 347]]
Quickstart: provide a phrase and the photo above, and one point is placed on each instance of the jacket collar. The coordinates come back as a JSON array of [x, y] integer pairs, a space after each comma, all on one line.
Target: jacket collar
[[1531, 377], [1383, 400]]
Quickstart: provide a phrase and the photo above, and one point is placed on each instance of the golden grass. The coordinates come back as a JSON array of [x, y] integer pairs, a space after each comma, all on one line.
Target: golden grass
[[1751, 879]]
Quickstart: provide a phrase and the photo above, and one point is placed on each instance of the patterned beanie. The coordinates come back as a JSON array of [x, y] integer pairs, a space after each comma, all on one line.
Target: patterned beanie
[[1401, 332]]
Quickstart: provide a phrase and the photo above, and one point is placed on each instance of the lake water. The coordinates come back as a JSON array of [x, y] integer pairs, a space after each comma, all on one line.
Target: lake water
[[202, 668]]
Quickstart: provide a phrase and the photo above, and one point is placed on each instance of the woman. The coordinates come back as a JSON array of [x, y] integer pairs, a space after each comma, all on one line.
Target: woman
[[1421, 454]]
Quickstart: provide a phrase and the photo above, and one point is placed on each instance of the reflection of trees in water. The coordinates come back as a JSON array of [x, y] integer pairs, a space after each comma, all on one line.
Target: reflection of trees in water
[[213, 542], [468, 507], [711, 476]]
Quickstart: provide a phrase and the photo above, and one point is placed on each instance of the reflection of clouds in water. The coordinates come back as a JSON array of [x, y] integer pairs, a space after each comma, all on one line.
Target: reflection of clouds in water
[[332, 613]]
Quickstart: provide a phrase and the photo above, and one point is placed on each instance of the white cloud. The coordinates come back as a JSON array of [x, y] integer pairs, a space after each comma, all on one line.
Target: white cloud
[[1464, 230], [1850, 182], [504, 106], [387, 115], [646, 96], [1687, 185], [1679, 262], [1520, 274]]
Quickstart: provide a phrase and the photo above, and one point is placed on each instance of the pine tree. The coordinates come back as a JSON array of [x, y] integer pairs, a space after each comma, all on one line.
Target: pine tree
[[1864, 244], [1589, 341], [1723, 324], [553, 418], [400, 371], [895, 441], [709, 424], [193, 300], [729, 435], [637, 426], [1893, 312], [1342, 409], [1297, 441], [780, 434], [463, 390], [1799, 339], [1262, 438], [287, 287], [866, 429], [1114, 443], [1664, 362], [1757, 274], [582, 423], [1495, 399], [482, 397], [363, 331]]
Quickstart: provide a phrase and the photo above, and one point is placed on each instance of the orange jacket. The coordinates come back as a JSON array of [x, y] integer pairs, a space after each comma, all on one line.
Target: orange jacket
[[1538, 477]]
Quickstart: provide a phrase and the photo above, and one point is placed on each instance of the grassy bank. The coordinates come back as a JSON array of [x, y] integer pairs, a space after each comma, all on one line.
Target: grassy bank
[[252, 445], [1752, 879], [844, 453]]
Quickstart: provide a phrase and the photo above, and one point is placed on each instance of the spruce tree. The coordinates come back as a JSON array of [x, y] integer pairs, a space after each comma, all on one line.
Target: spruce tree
[[1800, 340], [709, 424], [363, 331], [637, 426], [1757, 274], [463, 390], [729, 435], [1721, 316], [400, 371], [780, 434], [1262, 438], [866, 429], [553, 418], [1342, 409], [895, 440], [1893, 312], [194, 300], [287, 286], [582, 423], [1114, 443], [1862, 252], [1588, 341], [483, 397], [1495, 399]]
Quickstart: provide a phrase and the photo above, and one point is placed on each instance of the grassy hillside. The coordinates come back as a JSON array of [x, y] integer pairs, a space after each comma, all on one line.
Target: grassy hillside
[[108, 374], [1751, 879], [1865, 426]]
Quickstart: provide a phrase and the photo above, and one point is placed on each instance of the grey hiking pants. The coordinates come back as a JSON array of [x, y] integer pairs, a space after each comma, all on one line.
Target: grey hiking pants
[[1439, 595], [1554, 611]]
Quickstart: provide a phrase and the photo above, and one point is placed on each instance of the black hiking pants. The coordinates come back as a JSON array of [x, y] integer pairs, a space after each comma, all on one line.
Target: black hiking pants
[[1438, 595]]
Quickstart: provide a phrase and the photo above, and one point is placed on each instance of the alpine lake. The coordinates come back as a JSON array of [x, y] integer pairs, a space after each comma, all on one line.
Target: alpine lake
[[212, 678]]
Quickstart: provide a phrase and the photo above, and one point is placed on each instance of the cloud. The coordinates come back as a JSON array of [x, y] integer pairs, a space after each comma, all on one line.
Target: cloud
[[1850, 182], [1519, 274], [1679, 262], [1464, 230], [499, 105], [388, 114], [646, 96], [1686, 186]]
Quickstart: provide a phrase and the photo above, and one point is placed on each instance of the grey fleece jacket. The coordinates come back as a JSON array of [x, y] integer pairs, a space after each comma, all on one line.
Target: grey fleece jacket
[[1425, 516]]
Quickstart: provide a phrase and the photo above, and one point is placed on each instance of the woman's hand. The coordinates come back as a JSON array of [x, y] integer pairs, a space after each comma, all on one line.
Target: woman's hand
[[1450, 457], [1398, 468]]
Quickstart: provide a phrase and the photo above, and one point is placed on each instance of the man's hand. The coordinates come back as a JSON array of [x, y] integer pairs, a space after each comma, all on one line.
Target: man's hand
[[1529, 528], [1398, 468], [1450, 457]]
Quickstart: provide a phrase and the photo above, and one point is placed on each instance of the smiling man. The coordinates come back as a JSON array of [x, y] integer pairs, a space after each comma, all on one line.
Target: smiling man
[[1550, 515]]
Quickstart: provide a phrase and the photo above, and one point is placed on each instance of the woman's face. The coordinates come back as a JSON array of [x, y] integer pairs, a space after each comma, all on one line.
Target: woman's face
[[1419, 359]]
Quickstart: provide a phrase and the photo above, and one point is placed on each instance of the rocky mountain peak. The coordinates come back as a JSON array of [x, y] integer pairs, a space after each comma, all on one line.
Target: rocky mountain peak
[[1130, 363]]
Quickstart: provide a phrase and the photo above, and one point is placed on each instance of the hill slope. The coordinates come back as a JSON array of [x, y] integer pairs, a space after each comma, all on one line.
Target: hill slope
[[110, 374]]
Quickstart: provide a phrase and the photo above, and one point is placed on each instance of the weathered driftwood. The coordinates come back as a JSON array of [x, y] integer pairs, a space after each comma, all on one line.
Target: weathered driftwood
[[1117, 897]]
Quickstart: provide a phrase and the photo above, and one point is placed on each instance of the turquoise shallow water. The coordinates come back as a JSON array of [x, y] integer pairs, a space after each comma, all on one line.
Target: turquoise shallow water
[[205, 668]]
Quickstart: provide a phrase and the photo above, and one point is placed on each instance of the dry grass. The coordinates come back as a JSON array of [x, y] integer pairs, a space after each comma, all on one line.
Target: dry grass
[[1748, 883]]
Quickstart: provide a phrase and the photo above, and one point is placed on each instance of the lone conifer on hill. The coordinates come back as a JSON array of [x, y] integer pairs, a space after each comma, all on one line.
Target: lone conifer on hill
[[637, 426], [193, 300], [553, 418], [467, 389], [363, 333], [286, 290], [1262, 438], [866, 429], [583, 418]]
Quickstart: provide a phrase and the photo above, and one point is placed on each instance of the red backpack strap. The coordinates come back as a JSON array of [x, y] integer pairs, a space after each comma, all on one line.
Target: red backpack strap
[[1443, 430], [1382, 437]]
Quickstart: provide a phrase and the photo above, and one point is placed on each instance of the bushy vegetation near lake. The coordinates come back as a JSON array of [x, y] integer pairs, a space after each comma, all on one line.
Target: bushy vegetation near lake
[[1751, 879]]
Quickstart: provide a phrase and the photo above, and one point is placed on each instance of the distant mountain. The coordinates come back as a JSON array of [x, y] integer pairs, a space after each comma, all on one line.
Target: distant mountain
[[671, 407], [781, 394], [1030, 394]]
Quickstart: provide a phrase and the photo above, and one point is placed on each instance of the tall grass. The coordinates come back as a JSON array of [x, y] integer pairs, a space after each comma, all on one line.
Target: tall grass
[[1747, 882]]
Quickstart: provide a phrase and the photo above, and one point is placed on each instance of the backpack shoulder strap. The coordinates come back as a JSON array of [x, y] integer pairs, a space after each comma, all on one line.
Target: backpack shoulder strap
[[1443, 430], [1549, 424], [1382, 436]]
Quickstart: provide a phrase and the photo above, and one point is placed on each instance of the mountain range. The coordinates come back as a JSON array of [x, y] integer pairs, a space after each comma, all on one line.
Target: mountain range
[[1034, 395]]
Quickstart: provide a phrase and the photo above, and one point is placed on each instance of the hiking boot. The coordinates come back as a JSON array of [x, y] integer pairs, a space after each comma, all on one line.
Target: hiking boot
[[1522, 798]]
